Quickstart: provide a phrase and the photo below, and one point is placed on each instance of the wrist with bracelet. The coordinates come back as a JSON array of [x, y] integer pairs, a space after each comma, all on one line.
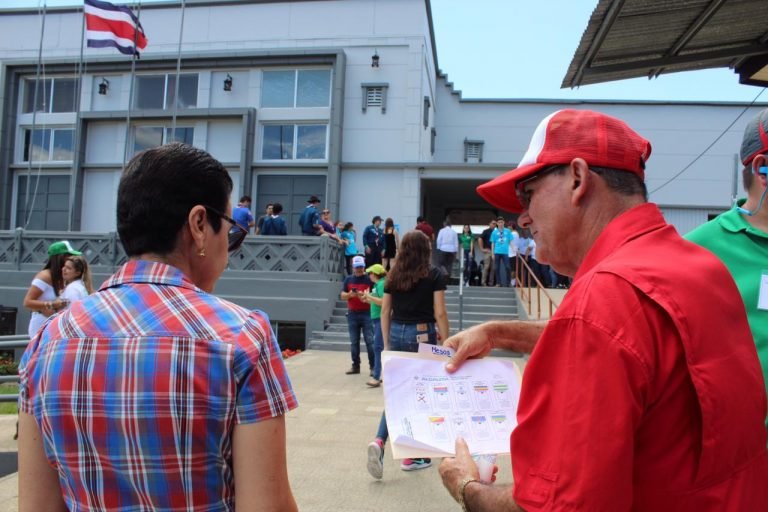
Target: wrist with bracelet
[[462, 489]]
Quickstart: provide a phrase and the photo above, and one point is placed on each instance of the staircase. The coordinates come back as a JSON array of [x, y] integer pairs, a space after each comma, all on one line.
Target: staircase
[[480, 305]]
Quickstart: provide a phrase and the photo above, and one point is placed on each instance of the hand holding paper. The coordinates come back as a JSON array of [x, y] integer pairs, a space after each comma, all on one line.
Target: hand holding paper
[[427, 408]]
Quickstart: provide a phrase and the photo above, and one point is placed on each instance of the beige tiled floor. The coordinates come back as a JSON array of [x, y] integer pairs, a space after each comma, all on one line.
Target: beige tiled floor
[[327, 439]]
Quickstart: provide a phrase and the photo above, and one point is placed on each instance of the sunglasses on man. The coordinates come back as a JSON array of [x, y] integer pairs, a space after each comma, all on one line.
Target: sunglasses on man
[[236, 233]]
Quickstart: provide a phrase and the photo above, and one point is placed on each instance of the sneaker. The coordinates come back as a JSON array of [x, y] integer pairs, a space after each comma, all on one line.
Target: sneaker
[[373, 383], [376, 458], [414, 464], [354, 370]]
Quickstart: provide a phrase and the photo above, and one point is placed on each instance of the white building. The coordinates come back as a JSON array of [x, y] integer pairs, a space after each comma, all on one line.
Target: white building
[[307, 114]]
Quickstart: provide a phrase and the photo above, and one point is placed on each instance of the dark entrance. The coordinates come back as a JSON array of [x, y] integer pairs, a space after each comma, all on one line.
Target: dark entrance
[[456, 198]]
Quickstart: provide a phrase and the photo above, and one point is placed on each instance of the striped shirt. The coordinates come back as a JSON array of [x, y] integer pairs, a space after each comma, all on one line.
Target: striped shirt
[[136, 390]]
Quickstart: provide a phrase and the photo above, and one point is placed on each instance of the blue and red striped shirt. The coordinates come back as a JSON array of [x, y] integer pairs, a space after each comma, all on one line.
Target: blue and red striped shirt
[[137, 388]]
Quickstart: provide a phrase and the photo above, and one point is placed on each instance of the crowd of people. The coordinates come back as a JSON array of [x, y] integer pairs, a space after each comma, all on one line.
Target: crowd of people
[[489, 258], [642, 392]]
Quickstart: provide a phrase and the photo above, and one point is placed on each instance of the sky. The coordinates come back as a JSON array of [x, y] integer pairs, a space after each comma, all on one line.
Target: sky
[[521, 49]]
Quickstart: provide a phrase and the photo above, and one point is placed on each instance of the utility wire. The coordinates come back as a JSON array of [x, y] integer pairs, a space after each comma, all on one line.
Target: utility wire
[[673, 178]]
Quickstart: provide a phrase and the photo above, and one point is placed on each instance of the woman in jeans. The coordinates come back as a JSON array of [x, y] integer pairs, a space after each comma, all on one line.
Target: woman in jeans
[[412, 312]]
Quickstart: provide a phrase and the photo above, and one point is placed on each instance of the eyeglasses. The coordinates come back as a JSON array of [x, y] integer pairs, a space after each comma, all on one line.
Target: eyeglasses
[[524, 196], [236, 233], [325, 212]]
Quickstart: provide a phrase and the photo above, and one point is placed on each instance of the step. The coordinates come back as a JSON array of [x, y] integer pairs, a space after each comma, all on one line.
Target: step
[[318, 344], [481, 308]]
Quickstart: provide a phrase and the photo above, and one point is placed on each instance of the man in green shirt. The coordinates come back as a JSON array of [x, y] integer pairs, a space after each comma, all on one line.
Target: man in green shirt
[[739, 237]]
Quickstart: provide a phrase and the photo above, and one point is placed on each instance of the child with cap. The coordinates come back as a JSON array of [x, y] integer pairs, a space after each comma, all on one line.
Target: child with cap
[[377, 273]]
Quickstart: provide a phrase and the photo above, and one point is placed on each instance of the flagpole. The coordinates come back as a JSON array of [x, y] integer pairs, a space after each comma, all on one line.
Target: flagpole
[[130, 90], [76, 163], [27, 206], [178, 72]]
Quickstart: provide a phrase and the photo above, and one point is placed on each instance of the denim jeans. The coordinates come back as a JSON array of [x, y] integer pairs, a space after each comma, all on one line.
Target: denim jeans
[[378, 346], [402, 337], [501, 262], [468, 258], [360, 321]]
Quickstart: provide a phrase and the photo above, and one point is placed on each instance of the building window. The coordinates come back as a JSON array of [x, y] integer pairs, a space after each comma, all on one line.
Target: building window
[[53, 95], [473, 150], [427, 105], [375, 95], [432, 137], [294, 142], [42, 203], [296, 88], [147, 137], [158, 91], [49, 145]]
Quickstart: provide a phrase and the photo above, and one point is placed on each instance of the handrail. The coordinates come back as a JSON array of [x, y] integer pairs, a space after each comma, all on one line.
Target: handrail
[[12, 341], [526, 291], [26, 250]]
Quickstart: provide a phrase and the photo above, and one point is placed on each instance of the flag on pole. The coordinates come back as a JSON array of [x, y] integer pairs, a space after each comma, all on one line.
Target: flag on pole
[[113, 25]]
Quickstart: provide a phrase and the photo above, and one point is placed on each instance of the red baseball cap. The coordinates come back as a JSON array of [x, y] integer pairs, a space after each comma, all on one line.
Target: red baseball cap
[[601, 140]]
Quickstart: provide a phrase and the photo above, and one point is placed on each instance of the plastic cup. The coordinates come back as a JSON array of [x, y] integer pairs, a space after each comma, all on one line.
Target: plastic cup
[[485, 464]]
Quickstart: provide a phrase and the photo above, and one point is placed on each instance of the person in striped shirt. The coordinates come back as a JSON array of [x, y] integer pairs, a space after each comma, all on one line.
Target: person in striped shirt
[[154, 394]]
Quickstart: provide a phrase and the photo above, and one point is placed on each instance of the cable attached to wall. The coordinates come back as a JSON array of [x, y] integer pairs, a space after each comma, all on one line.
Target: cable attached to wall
[[673, 178]]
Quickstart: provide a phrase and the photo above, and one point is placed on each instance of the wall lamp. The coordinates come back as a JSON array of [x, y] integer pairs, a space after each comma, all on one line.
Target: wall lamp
[[228, 83], [103, 86], [375, 59]]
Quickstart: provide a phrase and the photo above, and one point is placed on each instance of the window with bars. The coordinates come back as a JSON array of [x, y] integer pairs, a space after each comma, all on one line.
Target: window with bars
[[375, 95], [158, 91], [296, 88], [473, 150], [294, 142], [146, 137], [48, 145], [49, 95]]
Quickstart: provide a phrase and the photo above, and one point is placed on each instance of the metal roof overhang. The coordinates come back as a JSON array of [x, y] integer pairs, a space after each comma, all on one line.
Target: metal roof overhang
[[635, 38]]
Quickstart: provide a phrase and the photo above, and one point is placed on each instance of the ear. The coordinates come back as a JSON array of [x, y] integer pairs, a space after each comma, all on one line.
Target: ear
[[196, 221], [760, 167], [581, 180]]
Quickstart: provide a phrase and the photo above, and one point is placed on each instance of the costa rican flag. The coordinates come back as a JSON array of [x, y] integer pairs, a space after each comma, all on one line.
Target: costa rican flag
[[113, 25]]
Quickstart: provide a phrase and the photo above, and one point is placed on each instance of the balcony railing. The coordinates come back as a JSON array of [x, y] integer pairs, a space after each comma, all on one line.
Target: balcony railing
[[28, 250], [524, 282]]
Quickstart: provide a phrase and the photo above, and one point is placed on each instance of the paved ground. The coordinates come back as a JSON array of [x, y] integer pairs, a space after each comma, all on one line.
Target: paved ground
[[327, 439]]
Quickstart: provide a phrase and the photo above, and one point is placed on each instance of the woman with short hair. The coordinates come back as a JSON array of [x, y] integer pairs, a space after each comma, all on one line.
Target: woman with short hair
[[154, 394]]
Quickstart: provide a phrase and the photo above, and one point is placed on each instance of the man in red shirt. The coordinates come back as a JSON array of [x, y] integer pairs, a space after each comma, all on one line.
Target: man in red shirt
[[423, 226], [644, 390]]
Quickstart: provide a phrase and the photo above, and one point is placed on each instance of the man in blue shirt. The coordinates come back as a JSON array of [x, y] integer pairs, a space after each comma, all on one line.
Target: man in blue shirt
[[373, 240], [274, 224], [310, 218], [500, 240], [242, 213]]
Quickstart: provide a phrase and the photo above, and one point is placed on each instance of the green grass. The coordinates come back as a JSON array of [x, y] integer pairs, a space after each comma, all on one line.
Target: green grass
[[9, 388]]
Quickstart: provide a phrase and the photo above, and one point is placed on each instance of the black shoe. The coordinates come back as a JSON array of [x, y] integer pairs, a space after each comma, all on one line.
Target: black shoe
[[354, 370]]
